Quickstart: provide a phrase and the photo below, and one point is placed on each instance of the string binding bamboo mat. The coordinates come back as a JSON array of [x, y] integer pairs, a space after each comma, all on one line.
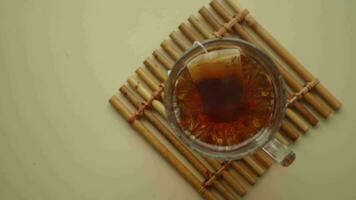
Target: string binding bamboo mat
[[140, 101]]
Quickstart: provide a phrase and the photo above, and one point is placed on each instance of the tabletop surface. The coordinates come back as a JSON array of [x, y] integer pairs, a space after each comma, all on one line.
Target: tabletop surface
[[60, 61]]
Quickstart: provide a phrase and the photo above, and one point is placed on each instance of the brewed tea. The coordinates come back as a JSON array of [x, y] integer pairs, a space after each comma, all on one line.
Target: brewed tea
[[223, 100]]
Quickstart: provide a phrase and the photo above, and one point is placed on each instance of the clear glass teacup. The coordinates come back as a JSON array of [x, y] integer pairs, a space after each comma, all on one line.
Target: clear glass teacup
[[241, 116]]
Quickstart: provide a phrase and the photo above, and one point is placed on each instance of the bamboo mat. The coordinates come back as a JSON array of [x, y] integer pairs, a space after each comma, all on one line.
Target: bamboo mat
[[140, 101]]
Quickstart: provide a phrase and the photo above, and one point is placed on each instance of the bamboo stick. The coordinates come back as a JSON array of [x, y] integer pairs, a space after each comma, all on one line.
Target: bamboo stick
[[289, 130], [226, 16], [245, 171], [183, 44], [251, 162], [301, 109], [264, 158], [200, 27], [282, 138], [317, 104], [150, 82], [168, 134], [193, 36], [175, 36], [233, 181], [146, 95], [189, 32], [164, 60], [286, 56], [305, 113], [153, 66], [303, 126], [164, 151], [171, 49], [254, 165], [248, 175], [206, 14]]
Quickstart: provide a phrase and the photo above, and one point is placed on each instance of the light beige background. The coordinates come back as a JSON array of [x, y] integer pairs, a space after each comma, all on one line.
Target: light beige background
[[60, 61]]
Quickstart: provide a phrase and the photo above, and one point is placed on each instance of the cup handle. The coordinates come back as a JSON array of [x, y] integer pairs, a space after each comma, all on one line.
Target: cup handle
[[279, 152]]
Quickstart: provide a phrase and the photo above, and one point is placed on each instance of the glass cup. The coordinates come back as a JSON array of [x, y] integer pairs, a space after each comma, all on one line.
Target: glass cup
[[265, 137]]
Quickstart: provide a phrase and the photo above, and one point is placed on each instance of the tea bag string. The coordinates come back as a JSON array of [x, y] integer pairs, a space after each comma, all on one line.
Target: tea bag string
[[197, 43]]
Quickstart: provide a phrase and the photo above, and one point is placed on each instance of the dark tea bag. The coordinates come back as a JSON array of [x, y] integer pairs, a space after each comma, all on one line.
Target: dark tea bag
[[217, 74]]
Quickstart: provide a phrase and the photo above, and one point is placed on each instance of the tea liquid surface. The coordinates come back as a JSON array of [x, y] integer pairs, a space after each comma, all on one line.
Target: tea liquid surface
[[223, 101]]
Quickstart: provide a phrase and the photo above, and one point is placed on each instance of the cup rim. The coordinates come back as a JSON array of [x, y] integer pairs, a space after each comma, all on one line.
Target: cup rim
[[248, 146]]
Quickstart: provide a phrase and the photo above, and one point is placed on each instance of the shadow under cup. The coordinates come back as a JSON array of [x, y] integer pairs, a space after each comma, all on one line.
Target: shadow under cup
[[225, 50]]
